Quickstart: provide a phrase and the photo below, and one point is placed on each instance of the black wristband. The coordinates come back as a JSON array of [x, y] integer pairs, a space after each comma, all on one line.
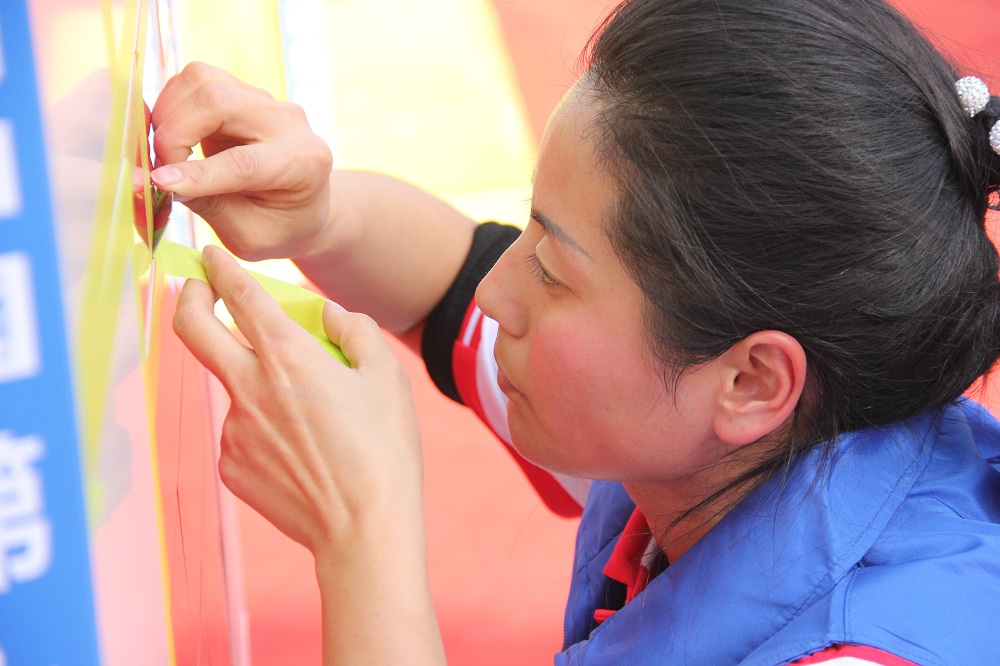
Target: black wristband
[[445, 321]]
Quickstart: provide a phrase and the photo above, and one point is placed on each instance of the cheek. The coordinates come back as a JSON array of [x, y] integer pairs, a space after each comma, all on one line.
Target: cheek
[[564, 364], [592, 391], [602, 411]]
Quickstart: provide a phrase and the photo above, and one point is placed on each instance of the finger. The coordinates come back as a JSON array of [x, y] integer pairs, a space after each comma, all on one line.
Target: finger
[[256, 313], [209, 340], [228, 113], [179, 87], [257, 167], [358, 336]]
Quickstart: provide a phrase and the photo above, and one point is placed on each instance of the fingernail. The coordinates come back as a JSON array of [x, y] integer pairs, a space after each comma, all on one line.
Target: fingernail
[[167, 176], [336, 306]]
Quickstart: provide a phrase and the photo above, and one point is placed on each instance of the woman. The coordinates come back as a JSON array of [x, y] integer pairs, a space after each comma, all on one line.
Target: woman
[[754, 286]]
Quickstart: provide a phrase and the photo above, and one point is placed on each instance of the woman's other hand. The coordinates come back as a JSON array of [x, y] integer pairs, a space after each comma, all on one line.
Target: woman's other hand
[[329, 454], [264, 183], [316, 447]]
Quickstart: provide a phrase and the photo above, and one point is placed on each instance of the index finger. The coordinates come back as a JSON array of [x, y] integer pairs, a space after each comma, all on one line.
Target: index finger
[[193, 98], [259, 317], [179, 87], [211, 342]]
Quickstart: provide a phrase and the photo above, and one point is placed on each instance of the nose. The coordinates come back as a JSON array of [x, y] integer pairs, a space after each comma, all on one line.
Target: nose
[[498, 294]]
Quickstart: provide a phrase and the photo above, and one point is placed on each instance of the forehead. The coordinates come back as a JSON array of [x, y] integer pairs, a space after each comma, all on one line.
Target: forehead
[[572, 187]]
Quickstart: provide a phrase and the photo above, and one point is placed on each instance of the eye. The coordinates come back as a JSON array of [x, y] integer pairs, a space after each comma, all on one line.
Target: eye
[[539, 271]]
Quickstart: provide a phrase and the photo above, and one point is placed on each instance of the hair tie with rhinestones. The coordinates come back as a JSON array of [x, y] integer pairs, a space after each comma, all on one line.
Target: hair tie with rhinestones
[[975, 96]]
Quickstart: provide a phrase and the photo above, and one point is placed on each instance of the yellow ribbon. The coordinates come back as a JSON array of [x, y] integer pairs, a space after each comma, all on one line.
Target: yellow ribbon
[[303, 306]]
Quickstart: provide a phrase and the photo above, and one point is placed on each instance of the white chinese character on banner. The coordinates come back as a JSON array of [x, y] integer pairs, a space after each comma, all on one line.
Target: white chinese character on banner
[[3, 73], [11, 203], [20, 345], [25, 532]]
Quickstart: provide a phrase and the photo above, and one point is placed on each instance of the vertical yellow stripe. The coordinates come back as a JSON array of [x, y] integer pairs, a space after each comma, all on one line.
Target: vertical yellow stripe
[[108, 260], [103, 281], [151, 331]]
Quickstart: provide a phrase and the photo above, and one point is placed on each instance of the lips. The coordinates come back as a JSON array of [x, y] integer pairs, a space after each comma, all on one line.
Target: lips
[[505, 386]]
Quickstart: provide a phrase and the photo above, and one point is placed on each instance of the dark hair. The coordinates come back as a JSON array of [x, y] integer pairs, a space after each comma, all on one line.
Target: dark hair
[[802, 166]]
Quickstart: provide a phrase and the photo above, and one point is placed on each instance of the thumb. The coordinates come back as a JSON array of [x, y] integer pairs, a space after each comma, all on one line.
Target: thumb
[[357, 335], [246, 168]]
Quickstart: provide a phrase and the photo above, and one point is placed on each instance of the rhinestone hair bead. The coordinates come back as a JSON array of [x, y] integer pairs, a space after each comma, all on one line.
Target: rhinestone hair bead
[[973, 94], [995, 137]]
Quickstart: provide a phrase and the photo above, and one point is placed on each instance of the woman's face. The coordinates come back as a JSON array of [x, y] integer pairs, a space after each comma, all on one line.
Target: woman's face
[[586, 396]]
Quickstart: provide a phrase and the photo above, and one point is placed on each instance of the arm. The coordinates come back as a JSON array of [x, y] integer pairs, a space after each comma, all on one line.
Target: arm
[[389, 250], [377, 244], [329, 454]]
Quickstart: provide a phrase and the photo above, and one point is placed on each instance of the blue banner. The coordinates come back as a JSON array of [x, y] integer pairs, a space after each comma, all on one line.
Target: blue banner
[[46, 594]]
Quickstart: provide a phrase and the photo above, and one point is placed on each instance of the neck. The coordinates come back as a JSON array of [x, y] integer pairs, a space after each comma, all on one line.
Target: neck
[[670, 512], [674, 531], [669, 507]]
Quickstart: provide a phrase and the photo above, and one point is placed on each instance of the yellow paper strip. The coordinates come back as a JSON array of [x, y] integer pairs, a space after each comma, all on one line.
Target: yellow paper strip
[[304, 307], [105, 278], [111, 235]]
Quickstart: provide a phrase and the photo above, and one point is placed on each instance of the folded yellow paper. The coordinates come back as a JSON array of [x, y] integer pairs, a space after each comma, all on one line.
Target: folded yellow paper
[[304, 307]]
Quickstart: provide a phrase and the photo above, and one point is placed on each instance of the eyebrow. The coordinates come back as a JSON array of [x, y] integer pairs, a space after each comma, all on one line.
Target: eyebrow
[[557, 233]]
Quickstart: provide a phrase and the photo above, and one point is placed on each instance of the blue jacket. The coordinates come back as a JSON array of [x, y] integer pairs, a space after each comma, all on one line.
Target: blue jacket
[[895, 544]]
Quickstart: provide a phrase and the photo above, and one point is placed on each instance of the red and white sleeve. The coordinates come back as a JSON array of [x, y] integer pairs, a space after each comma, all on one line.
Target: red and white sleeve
[[475, 372], [852, 655]]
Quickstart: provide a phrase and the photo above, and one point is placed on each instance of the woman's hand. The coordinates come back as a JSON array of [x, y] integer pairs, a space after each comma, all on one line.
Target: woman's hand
[[329, 454], [264, 182], [317, 448], [374, 243]]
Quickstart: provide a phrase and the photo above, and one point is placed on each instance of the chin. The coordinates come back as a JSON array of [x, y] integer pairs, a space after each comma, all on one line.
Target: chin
[[520, 441], [528, 448]]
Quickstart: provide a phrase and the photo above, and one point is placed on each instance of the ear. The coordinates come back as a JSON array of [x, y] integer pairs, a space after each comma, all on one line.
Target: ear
[[762, 377]]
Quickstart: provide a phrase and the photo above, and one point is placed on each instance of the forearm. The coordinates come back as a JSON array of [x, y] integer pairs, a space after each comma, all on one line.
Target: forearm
[[376, 599], [390, 249]]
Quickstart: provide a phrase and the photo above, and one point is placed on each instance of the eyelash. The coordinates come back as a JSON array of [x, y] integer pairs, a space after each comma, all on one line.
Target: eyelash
[[539, 271]]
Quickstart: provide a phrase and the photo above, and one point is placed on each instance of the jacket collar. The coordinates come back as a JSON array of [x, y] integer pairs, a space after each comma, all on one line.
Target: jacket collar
[[781, 549]]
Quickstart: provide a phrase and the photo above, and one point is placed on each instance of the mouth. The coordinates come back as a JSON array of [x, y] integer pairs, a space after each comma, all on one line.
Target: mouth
[[505, 386], [503, 382]]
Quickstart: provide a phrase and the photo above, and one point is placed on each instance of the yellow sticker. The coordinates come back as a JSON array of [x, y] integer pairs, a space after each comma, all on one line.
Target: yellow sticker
[[303, 306]]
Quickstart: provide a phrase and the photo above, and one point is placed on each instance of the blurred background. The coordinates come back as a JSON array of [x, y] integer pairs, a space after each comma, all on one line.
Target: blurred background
[[452, 95]]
